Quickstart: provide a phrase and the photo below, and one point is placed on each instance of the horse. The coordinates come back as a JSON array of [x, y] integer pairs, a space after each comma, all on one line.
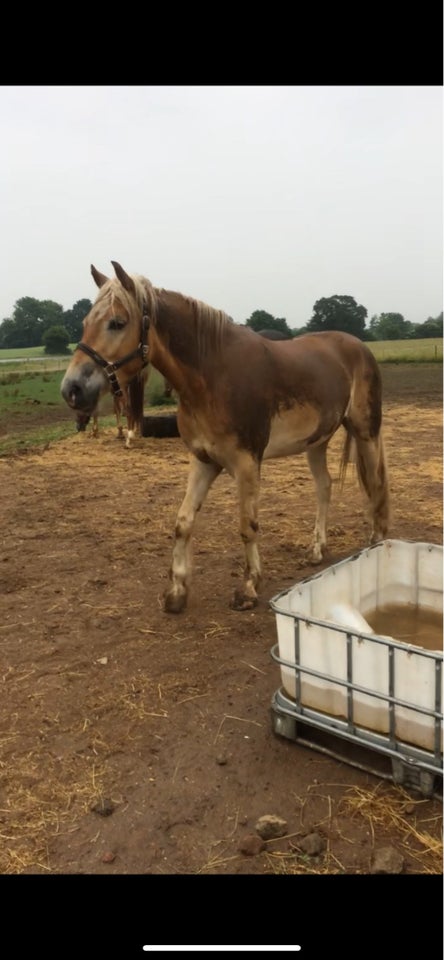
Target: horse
[[128, 403], [242, 399], [273, 334]]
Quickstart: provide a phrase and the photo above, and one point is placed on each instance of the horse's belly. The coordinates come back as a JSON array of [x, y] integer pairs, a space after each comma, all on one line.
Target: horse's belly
[[290, 432]]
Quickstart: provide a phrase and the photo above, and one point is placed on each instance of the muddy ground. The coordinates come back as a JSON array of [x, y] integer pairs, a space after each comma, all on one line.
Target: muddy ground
[[136, 742]]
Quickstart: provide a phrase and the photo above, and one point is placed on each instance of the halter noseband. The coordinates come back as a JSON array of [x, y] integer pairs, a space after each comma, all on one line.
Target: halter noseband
[[110, 368]]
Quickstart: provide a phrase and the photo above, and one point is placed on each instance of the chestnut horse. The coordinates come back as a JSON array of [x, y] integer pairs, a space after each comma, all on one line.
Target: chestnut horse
[[242, 399], [129, 404]]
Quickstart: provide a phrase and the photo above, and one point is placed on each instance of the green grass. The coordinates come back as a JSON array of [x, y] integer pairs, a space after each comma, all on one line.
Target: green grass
[[407, 351], [20, 353], [22, 390], [30, 399], [19, 390]]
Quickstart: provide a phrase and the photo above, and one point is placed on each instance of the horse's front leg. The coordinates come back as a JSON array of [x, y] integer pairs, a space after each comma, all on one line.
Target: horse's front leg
[[117, 404], [247, 474], [201, 476]]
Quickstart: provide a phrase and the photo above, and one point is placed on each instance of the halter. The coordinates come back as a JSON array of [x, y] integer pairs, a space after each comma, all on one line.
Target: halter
[[110, 368]]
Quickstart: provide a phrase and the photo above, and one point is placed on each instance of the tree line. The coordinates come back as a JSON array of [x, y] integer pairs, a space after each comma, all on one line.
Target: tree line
[[344, 313], [44, 322]]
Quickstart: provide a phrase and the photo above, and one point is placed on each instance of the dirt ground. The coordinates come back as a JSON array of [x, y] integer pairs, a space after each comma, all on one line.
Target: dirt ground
[[136, 742]]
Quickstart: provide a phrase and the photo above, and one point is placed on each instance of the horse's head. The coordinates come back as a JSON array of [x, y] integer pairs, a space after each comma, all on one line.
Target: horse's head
[[114, 344]]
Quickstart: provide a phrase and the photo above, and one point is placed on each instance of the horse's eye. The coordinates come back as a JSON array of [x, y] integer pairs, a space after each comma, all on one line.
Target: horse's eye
[[116, 323]]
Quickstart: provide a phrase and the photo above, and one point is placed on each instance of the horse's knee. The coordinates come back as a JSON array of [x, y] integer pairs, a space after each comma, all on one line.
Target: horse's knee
[[183, 528]]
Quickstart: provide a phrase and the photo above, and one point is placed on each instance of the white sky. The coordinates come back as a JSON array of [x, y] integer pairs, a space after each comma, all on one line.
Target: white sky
[[249, 198]]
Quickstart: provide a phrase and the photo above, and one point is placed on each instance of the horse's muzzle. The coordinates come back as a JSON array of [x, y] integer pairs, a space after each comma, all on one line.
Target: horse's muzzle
[[81, 388]]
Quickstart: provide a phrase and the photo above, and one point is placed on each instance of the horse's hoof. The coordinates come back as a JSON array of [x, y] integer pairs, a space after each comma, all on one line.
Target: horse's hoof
[[241, 602], [318, 556], [174, 603]]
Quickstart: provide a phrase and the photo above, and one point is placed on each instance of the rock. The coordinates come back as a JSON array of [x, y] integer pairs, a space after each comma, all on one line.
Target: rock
[[387, 860], [108, 857], [251, 845], [312, 844], [269, 827]]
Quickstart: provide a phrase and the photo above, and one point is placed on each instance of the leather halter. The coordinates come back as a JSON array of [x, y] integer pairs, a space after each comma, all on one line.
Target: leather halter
[[110, 368]]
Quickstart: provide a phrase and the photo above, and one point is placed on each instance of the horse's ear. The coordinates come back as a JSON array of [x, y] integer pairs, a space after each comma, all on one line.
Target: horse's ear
[[125, 280], [99, 278]]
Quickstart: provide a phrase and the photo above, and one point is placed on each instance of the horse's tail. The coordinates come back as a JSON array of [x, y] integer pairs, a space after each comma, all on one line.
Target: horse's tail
[[353, 452], [364, 445]]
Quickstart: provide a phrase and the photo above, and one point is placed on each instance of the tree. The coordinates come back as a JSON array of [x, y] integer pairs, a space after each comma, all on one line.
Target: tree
[[50, 314], [55, 340], [431, 328], [73, 319], [338, 313], [390, 326], [261, 320], [7, 332], [30, 318]]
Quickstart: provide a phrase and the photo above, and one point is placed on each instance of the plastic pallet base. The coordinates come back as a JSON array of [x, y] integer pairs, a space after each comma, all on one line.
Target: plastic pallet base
[[402, 771]]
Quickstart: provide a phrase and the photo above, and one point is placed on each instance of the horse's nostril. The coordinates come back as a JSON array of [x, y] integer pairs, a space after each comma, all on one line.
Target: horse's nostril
[[74, 391]]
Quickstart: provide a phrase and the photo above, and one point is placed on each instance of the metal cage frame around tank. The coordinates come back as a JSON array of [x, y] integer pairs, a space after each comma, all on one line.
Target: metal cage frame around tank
[[410, 764]]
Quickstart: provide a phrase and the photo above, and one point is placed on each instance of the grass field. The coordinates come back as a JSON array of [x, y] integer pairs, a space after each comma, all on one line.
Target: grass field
[[29, 379], [388, 351], [407, 351], [23, 386], [32, 412]]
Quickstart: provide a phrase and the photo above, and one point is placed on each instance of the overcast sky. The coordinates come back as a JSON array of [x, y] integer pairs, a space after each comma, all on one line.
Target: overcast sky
[[249, 198]]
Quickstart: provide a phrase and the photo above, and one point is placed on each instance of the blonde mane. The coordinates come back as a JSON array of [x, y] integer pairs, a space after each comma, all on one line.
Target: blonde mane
[[207, 325], [113, 290]]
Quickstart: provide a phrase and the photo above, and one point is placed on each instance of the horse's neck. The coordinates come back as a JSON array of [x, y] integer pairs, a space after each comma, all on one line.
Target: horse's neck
[[185, 332], [173, 342]]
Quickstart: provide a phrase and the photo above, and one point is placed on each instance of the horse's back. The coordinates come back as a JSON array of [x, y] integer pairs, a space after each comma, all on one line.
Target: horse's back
[[329, 352]]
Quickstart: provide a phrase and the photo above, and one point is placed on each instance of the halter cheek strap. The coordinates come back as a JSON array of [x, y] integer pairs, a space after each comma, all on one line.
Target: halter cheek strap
[[110, 368]]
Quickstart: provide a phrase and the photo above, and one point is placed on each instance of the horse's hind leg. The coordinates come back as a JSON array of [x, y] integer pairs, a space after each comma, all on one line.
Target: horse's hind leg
[[317, 461], [247, 474], [200, 478]]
